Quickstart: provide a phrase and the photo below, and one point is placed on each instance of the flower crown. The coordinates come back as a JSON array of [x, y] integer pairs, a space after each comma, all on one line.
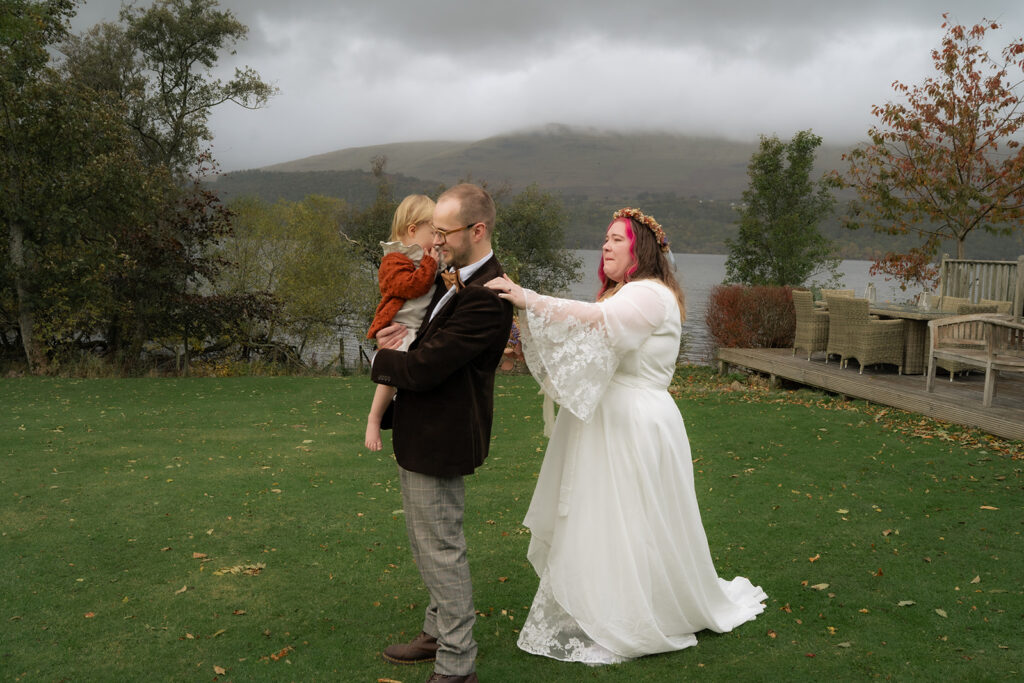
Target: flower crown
[[643, 219]]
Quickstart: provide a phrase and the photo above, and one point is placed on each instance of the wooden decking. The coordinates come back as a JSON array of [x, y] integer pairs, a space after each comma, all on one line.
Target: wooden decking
[[958, 402]]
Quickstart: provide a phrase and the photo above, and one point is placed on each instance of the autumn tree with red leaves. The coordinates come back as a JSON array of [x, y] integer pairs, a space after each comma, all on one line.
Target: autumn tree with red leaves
[[947, 160]]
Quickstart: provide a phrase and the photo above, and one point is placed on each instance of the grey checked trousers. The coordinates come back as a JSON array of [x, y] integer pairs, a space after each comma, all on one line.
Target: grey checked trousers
[[433, 519]]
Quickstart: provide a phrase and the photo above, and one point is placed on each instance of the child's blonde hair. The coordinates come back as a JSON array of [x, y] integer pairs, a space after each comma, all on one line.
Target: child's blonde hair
[[414, 209]]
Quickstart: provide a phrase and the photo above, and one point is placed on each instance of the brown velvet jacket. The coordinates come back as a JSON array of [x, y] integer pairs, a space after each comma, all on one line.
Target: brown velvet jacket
[[443, 412]]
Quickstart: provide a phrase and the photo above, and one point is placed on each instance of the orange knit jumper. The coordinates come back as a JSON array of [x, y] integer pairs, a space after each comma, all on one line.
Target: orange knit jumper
[[400, 280]]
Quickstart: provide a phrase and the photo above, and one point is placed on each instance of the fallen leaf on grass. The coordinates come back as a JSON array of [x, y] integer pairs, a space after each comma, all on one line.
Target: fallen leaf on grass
[[387, 680], [815, 558], [280, 654], [820, 586], [988, 507], [219, 633], [242, 569], [90, 615], [842, 644], [219, 670], [941, 613], [198, 556], [772, 634], [238, 612], [181, 590], [976, 579], [905, 603]]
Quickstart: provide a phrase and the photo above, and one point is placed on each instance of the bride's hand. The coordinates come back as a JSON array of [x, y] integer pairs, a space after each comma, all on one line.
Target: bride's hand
[[509, 290]]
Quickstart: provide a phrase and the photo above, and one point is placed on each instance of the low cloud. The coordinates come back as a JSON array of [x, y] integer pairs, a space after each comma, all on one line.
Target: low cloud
[[361, 73]]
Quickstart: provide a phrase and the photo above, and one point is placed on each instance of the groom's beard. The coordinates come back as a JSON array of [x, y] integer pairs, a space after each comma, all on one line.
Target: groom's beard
[[458, 255]]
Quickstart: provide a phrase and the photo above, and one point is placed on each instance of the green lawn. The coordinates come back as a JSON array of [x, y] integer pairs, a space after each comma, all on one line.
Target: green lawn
[[168, 529]]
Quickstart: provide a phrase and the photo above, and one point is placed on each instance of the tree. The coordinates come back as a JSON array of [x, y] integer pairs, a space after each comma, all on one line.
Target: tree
[[779, 242], [530, 241], [367, 227], [159, 63], [946, 161], [294, 252], [26, 29], [107, 232], [66, 167], [156, 65], [162, 287]]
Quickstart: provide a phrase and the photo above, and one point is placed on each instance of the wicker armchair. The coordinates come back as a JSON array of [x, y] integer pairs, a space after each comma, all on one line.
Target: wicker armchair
[[811, 325], [826, 293], [839, 336], [1004, 307], [866, 340], [951, 304]]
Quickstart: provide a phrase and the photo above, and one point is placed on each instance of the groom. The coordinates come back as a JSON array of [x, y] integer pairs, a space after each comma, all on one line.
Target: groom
[[442, 423]]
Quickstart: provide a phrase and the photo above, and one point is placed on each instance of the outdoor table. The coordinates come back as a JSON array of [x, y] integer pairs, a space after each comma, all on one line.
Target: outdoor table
[[915, 345]]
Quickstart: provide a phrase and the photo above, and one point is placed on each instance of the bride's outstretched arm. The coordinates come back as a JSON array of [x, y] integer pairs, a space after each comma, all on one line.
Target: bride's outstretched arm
[[626, 319], [573, 347]]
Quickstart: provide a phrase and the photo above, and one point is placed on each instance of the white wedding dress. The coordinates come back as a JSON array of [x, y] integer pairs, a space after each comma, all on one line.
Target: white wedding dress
[[617, 539]]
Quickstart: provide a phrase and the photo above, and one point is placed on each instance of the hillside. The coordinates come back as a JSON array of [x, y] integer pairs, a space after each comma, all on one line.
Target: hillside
[[691, 184], [569, 160]]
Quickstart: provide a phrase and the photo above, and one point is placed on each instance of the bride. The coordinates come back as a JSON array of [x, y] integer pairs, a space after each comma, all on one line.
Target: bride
[[617, 540]]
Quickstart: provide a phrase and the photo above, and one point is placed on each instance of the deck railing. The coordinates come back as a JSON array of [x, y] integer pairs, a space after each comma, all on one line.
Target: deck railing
[[976, 280]]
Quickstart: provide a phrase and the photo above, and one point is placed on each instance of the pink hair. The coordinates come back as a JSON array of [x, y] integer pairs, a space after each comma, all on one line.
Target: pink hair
[[632, 255]]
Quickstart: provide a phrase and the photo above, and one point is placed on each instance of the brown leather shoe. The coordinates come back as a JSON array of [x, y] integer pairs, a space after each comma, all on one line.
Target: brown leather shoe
[[423, 648], [441, 678]]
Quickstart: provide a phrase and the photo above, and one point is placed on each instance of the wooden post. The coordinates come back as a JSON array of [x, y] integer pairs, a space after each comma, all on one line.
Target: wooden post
[[1018, 297]]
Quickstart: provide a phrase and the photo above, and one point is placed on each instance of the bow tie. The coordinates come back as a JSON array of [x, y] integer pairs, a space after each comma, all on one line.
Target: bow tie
[[451, 277]]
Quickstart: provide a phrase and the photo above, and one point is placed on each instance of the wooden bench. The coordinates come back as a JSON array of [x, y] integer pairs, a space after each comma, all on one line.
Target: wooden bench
[[989, 342]]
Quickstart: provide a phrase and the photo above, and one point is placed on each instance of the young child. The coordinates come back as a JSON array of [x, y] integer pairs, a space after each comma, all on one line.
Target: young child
[[406, 278]]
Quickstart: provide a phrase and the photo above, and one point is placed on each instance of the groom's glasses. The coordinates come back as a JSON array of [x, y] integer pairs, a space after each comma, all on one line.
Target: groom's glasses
[[443, 234]]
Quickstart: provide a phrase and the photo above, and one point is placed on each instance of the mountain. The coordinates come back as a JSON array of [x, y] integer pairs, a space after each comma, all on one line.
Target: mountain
[[690, 183], [569, 160]]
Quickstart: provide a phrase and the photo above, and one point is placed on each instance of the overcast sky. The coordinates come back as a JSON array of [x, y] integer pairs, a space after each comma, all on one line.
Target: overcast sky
[[365, 72]]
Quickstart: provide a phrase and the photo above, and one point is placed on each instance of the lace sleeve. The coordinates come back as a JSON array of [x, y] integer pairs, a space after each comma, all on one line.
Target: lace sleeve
[[573, 348]]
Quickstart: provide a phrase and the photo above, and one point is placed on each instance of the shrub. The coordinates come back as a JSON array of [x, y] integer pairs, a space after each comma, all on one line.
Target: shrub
[[756, 317]]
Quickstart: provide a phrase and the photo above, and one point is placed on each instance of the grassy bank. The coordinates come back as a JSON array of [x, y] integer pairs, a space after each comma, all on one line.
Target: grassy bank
[[168, 529]]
